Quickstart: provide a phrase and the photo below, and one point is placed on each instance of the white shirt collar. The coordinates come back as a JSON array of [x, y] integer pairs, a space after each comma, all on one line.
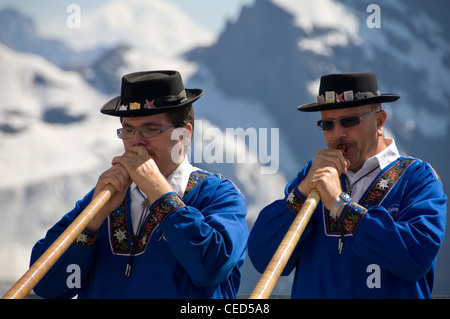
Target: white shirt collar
[[362, 179], [381, 160], [388, 155], [179, 179]]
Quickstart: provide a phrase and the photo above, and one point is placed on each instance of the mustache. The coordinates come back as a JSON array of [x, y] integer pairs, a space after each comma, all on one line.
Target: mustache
[[341, 145]]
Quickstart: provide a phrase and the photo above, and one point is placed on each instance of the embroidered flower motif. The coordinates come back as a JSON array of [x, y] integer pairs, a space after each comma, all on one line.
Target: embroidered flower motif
[[167, 205], [123, 243], [144, 240], [290, 198], [383, 183], [86, 239], [294, 201], [82, 238], [193, 181], [120, 235], [355, 212]]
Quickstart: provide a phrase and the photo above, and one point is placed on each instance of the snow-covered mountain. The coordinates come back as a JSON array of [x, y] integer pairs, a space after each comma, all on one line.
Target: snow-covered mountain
[[54, 142], [19, 33], [159, 27], [279, 63], [41, 107], [52, 139]]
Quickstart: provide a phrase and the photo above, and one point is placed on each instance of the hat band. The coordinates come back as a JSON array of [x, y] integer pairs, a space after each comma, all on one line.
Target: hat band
[[168, 100], [346, 96]]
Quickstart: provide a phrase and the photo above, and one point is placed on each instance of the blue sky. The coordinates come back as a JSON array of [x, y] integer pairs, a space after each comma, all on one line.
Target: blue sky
[[210, 13]]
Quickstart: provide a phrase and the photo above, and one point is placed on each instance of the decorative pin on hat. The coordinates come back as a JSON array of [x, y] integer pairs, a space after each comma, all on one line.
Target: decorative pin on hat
[[150, 92], [340, 91]]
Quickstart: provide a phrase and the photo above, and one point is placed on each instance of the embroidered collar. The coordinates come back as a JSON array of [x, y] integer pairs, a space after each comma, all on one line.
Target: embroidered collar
[[122, 241], [374, 195]]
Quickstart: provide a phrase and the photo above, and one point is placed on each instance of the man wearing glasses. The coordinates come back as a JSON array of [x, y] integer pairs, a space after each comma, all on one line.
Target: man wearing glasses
[[171, 230], [380, 223]]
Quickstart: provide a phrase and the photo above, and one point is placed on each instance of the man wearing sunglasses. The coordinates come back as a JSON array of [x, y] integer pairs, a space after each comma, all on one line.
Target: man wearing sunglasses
[[380, 223], [171, 230]]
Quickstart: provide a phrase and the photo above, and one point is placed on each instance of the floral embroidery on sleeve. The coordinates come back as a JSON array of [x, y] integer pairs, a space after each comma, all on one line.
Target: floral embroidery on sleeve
[[352, 217], [294, 201], [165, 206], [86, 238]]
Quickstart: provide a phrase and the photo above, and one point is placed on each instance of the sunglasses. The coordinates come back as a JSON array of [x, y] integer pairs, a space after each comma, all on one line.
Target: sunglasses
[[346, 122]]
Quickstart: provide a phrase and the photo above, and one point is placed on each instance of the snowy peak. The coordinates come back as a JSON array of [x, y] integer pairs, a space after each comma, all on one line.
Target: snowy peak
[[160, 27], [46, 111], [33, 87], [116, 39], [103, 74], [20, 33], [280, 62], [324, 14], [17, 25]]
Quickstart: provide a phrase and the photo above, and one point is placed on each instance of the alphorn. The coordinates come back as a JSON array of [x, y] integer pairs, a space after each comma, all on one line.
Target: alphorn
[[38, 270], [284, 251]]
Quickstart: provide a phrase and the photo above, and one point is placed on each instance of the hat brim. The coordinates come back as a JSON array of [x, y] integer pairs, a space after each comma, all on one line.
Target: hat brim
[[314, 107], [110, 108]]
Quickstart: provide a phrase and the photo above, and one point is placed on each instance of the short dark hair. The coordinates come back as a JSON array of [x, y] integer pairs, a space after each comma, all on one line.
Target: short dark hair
[[180, 118]]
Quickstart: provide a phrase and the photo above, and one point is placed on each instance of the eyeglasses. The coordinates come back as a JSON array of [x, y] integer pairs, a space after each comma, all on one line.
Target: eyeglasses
[[127, 133], [346, 122]]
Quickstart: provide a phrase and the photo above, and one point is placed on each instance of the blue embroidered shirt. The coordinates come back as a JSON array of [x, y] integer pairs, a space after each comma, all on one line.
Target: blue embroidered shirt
[[391, 237], [190, 247]]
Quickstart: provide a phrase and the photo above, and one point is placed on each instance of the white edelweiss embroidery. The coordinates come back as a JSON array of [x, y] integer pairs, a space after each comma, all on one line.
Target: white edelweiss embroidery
[[383, 183], [290, 197], [120, 235], [144, 239], [82, 238]]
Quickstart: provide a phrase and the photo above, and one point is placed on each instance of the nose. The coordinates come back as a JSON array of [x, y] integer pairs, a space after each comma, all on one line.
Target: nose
[[339, 130], [137, 139]]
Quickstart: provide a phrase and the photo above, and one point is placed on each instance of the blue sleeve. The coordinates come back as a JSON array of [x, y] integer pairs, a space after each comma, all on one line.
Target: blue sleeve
[[210, 240], [272, 225], [406, 242], [54, 284]]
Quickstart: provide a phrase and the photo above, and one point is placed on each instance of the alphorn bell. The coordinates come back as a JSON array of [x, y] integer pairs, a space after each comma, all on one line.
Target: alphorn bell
[[284, 251], [38, 270]]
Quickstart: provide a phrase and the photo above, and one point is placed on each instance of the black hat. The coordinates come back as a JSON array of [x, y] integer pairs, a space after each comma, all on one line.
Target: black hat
[[150, 92], [340, 91]]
